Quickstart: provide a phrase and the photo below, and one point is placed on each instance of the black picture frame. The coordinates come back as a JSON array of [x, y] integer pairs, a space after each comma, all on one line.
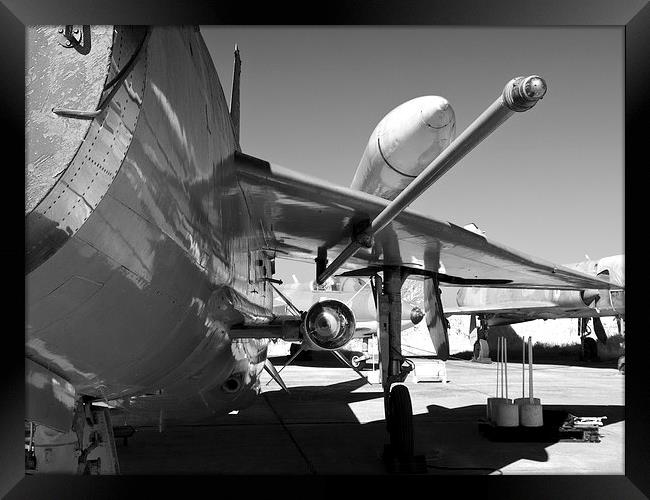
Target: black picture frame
[[631, 15]]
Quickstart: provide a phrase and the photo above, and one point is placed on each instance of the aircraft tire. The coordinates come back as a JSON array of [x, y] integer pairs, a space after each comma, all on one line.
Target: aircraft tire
[[400, 421], [590, 349]]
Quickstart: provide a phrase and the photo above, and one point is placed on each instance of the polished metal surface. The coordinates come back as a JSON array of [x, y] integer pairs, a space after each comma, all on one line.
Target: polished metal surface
[[308, 213], [50, 397], [83, 180], [56, 76], [159, 255], [157, 237]]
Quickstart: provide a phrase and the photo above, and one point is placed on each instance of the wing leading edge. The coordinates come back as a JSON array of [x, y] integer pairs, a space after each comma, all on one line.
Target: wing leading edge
[[301, 215]]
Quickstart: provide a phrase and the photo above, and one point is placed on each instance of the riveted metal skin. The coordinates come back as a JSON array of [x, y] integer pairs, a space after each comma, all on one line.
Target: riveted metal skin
[[82, 184], [143, 253]]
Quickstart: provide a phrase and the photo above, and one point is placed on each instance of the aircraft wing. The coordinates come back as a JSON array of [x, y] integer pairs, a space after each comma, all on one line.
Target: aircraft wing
[[299, 214], [506, 309], [504, 314], [522, 311]]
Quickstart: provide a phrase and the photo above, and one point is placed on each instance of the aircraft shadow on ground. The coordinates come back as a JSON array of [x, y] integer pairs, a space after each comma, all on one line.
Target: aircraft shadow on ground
[[484, 453], [449, 438], [317, 430]]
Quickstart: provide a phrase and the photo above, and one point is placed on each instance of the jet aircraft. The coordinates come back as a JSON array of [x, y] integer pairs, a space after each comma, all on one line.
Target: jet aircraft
[[151, 239], [494, 307]]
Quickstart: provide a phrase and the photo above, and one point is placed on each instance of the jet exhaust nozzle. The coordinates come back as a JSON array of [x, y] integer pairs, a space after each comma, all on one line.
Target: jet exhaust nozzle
[[522, 93], [329, 325]]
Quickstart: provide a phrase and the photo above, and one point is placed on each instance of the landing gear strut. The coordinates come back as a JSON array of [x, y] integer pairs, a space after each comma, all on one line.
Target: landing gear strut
[[589, 348], [394, 368], [481, 348]]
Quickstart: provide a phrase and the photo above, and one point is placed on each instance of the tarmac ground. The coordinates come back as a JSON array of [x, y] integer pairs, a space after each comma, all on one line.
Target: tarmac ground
[[332, 422]]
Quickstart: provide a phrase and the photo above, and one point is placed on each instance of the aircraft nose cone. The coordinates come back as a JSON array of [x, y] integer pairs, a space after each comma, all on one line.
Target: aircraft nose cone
[[436, 112], [534, 87], [326, 324]]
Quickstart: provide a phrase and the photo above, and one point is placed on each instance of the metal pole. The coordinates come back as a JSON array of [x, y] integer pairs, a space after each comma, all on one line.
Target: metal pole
[[523, 367], [505, 350], [519, 94], [502, 366], [530, 368], [498, 367], [498, 351], [347, 252]]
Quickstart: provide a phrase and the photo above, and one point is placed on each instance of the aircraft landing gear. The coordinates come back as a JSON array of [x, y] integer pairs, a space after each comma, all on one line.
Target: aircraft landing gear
[[400, 422], [481, 352], [87, 448], [588, 346], [394, 368], [95, 434]]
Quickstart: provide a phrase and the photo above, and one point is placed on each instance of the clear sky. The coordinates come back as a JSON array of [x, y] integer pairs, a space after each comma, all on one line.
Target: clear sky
[[549, 182]]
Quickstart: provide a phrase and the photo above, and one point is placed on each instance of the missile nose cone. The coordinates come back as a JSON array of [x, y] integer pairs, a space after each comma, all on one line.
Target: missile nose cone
[[436, 112], [534, 87]]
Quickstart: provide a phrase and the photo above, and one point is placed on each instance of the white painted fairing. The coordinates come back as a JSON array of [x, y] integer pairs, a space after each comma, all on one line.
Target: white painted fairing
[[404, 142]]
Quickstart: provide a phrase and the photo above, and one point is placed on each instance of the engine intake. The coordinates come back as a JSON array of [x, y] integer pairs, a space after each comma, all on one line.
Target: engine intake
[[329, 325]]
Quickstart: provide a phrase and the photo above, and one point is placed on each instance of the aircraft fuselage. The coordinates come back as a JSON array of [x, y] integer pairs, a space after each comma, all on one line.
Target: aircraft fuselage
[[142, 253]]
